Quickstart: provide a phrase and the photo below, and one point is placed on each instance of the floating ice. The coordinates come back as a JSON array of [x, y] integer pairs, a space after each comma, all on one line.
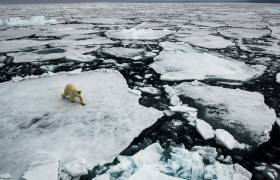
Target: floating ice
[[106, 20], [204, 129], [278, 77], [242, 111], [244, 32], [17, 45], [18, 21], [133, 33], [182, 62], [81, 57], [125, 52], [207, 41], [225, 139], [16, 33], [37, 124], [150, 90]]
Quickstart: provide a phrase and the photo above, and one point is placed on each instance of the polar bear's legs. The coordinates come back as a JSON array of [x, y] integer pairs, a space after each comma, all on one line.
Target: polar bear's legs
[[81, 99]]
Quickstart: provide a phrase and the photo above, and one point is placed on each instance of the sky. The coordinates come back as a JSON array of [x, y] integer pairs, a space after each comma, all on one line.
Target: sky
[[72, 1]]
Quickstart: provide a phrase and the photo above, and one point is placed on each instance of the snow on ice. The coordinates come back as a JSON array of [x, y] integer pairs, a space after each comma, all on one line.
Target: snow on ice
[[243, 111], [179, 61], [38, 125]]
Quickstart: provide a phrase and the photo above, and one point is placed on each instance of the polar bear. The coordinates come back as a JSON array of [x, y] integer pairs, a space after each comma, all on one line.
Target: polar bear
[[73, 91]]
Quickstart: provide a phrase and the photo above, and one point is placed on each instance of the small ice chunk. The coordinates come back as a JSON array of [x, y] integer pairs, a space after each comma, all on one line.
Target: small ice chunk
[[278, 77], [225, 139], [147, 76], [150, 90], [204, 129], [175, 100], [75, 168], [182, 109], [42, 170]]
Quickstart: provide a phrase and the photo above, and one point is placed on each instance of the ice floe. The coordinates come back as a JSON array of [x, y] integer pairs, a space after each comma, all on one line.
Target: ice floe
[[182, 62], [278, 77], [243, 32], [226, 139], [37, 124], [245, 113], [107, 20], [133, 33], [81, 57], [207, 41], [125, 52], [204, 129], [34, 20], [16, 33]]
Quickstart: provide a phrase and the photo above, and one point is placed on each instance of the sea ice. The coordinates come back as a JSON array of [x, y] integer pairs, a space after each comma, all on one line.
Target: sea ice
[[124, 52], [34, 20], [204, 129], [243, 111], [278, 77], [150, 90], [16, 33], [37, 124], [179, 163], [207, 41], [75, 168], [182, 62], [148, 172], [243, 32], [133, 33], [81, 57], [225, 139], [42, 170]]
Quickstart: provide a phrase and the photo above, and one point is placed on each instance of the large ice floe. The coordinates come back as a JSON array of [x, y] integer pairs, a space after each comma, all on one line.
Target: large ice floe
[[242, 112], [244, 32], [207, 41], [155, 163], [134, 33], [34, 20], [179, 61], [39, 129], [16, 33]]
